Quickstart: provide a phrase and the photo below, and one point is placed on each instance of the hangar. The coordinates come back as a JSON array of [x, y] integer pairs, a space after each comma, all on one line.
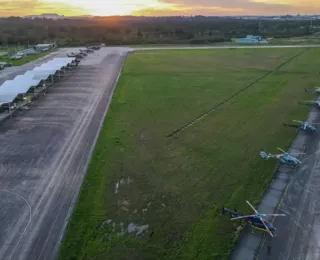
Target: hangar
[[19, 92]]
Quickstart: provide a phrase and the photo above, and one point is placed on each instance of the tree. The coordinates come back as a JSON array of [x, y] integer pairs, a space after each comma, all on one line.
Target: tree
[[139, 33]]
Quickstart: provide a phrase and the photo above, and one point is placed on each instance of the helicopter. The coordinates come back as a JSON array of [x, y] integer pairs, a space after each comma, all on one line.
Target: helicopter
[[304, 126], [316, 91], [255, 220], [284, 158], [311, 103]]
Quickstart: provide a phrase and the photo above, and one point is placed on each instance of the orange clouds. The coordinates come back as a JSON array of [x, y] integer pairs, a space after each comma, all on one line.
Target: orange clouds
[[158, 7], [36, 7]]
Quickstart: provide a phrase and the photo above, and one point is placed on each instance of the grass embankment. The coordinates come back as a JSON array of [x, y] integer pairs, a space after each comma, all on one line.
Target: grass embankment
[[176, 185]]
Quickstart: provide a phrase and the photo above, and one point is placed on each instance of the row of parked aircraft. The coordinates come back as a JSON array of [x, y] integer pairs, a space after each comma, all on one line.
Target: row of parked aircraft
[[256, 219], [82, 53], [289, 159]]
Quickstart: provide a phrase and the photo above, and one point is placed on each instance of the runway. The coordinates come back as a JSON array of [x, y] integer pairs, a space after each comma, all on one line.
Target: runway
[[44, 155]]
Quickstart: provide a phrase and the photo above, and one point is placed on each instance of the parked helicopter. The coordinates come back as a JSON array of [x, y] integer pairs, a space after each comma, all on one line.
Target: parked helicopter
[[304, 126], [255, 220], [316, 91], [311, 103], [284, 158]]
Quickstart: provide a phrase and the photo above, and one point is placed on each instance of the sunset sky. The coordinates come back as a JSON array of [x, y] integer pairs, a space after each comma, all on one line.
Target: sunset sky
[[158, 7]]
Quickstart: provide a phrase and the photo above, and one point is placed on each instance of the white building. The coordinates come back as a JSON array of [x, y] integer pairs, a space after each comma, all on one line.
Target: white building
[[45, 16]]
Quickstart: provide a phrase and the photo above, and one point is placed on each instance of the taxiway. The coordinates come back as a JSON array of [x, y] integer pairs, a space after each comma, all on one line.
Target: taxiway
[[44, 155]]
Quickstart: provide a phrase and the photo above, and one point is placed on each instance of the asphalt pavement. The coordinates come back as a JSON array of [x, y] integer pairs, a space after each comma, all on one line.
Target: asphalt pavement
[[298, 234], [44, 156], [296, 194]]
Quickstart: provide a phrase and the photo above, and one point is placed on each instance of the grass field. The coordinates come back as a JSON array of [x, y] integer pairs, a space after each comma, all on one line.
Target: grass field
[[170, 189], [24, 60], [311, 39]]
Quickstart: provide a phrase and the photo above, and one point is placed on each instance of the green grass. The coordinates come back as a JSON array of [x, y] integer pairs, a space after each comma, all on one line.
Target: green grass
[[177, 184], [311, 39], [26, 59]]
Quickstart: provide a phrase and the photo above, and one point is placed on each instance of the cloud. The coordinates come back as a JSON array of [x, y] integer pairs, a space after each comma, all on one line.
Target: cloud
[[35, 7], [250, 7], [190, 10], [162, 7]]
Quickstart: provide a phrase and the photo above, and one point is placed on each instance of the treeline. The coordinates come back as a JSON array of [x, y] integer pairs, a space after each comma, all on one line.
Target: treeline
[[144, 30]]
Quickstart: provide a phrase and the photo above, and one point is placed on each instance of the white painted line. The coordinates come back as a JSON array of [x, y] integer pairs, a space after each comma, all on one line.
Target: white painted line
[[30, 218]]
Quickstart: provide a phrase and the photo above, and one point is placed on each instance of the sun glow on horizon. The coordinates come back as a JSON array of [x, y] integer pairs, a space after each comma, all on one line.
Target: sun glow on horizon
[[157, 7], [115, 7]]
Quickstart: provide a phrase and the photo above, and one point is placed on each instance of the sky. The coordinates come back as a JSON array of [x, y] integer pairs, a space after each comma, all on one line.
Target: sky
[[158, 7]]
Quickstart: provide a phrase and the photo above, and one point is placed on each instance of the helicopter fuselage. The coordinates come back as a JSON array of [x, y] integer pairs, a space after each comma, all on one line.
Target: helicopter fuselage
[[256, 223], [307, 127], [316, 104], [253, 221], [288, 159]]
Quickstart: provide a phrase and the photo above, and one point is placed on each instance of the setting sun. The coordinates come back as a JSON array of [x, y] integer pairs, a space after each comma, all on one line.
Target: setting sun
[[118, 7]]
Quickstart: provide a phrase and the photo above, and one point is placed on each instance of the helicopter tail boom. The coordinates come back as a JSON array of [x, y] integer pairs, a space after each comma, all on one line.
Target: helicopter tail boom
[[295, 126], [232, 213], [316, 91], [264, 155]]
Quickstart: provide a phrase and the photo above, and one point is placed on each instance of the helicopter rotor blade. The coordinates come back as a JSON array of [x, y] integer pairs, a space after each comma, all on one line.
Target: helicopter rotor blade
[[252, 207], [273, 215], [241, 217], [298, 121], [281, 150], [266, 227]]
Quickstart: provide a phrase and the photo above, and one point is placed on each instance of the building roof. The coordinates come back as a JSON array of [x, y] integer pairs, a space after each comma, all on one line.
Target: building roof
[[55, 64], [7, 98], [21, 84], [60, 61], [27, 79], [38, 74], [44, 45]]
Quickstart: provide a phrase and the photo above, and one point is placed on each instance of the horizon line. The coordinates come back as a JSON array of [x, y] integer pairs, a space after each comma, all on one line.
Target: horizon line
[[88, 15]]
